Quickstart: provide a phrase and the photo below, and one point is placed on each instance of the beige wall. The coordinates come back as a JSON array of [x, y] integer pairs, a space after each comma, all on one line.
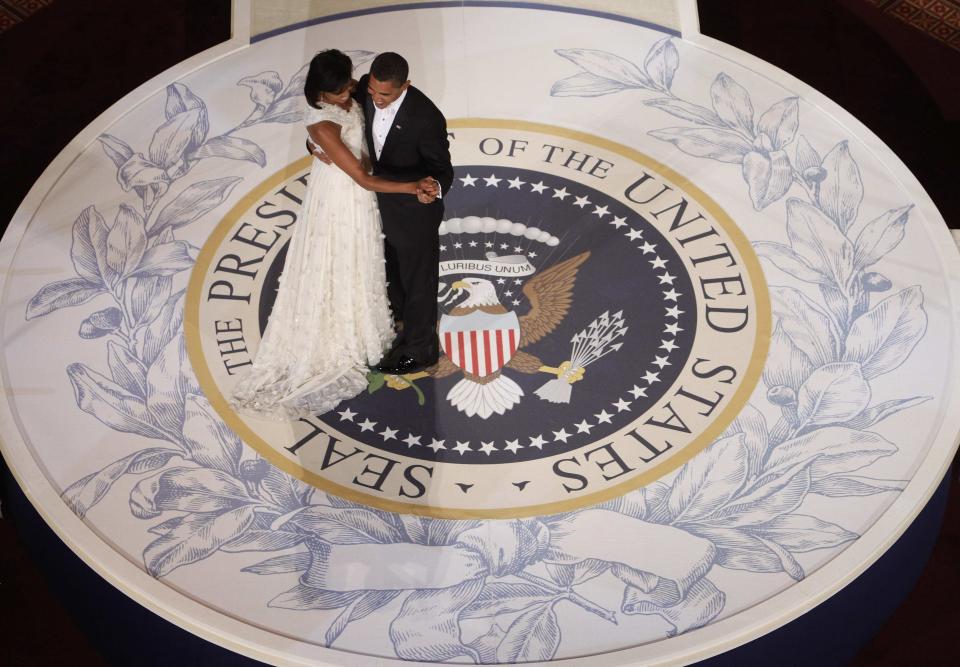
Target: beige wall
[[267, 15]]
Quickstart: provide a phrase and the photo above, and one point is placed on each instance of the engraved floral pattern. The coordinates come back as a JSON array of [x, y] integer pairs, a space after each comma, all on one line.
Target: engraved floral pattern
[[737, 505]]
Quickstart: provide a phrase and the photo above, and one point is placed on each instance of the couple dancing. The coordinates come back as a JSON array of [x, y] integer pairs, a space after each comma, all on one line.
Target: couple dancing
[[345, 272]]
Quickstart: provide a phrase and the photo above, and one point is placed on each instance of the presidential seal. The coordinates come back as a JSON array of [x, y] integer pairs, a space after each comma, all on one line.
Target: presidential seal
[[601, 322]]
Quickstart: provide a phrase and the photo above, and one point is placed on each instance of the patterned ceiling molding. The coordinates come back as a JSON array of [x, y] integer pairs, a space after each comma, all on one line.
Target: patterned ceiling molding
[[939, 19], [13, 12]]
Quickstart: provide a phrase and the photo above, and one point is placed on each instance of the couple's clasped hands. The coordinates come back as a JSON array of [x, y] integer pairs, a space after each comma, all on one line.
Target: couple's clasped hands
[[427, 190]]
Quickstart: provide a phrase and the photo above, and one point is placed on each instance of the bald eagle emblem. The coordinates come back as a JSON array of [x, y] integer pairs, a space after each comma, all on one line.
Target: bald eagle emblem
[[480, 338]]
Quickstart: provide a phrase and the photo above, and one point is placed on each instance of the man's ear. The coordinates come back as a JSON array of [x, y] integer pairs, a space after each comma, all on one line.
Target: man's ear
[[405, 85]]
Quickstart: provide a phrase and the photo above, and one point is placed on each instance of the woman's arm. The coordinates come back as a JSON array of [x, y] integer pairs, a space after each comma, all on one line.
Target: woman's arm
[[326, 135]]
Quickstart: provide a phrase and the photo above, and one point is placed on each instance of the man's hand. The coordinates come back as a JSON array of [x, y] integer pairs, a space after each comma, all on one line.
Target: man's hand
[[317, 152], [428, 189]]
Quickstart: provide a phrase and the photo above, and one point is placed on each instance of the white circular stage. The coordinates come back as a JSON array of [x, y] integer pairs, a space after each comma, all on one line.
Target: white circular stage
[[717, 392]]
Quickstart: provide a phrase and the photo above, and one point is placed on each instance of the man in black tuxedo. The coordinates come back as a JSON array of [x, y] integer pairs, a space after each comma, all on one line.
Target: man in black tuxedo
[[407, 141]]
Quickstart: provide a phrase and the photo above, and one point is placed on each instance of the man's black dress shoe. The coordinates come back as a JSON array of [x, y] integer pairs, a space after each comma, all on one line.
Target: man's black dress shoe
[[404, 364]]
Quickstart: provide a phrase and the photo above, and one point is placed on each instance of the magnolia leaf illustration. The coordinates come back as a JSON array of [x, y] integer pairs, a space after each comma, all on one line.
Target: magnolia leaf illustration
[[775, 495], [88, 491], [841, 486], [169, 381], [263, 87], [61, 294], [708, 481], [801, 533], [739, 549], [126, 241], [180, 99], [304, 597], [285, 110], [196, 538], [165, 259], [286, 491], [789, 564], [145, 297], [607, 66], [342, 525], [138, 172], [883, 337], [264, 540], [880, 236], [768, 176], [841, 191], [82, 251], [833, 393], [126, 370], [732, 103], [780, 122], [375, 381], [196, 200], [686, 110], [815, 238], [116, 149], [110, 403], [442, 531], [172, 139], [714, 143], [161, 329], [357, 609], [283, 564], [787, 365], [207, 440], [662, 62], [486, 645], [295, 86], [415, 528], [807, 156], [701, 604], [184, 489], [533, 636], [881, 411], [788, 261], [231, 148], [751, 423], [428, 625], [505, 598], [830, 451], [571, 574], [586, 84], [808, 327]]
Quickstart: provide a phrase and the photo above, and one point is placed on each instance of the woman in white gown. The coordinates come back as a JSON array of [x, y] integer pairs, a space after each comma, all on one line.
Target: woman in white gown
[[331, 319]]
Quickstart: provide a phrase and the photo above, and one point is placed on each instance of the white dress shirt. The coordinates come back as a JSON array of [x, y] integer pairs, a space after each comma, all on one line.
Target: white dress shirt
[[383, 121]]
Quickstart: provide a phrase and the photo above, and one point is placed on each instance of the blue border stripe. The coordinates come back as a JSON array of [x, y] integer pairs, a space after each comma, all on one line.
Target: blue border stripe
[[465, 3]]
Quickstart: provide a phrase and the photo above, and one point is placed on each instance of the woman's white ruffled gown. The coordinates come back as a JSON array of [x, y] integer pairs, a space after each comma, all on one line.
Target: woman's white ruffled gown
[[331, 318]]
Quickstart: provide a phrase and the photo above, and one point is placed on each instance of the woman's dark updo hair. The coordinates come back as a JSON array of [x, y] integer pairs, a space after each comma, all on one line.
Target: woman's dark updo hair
[[330, 72]]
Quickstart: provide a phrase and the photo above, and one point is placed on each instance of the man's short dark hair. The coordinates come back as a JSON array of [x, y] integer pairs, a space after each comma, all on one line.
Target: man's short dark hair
[[329, 72], [391, 67]]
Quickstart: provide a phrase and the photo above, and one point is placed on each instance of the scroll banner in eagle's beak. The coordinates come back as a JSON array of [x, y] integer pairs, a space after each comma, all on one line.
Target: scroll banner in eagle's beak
[[667, 580], [508, 266]]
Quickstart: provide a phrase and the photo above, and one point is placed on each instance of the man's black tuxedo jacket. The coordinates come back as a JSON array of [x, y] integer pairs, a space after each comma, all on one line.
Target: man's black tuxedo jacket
[[416, 146]]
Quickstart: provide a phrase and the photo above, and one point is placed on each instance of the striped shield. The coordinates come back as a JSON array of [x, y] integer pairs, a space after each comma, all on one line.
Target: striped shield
[[480, 343]]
